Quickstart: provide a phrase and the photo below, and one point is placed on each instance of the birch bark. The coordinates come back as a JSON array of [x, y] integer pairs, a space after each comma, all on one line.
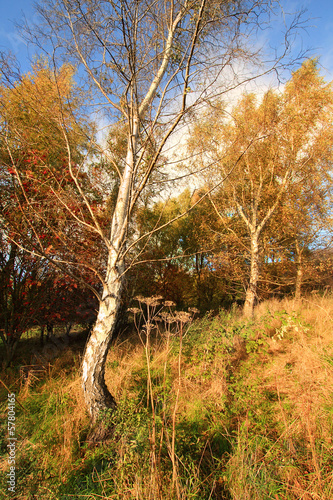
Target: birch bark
[[251, 291], [97, 395], [299, 272]]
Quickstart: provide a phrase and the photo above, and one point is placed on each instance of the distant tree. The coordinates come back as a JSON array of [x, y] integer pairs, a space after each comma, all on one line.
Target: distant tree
[[33, 294], [41, 204], [267, 151], [307, 222], [33, 174], [20, 295], [175, 260]]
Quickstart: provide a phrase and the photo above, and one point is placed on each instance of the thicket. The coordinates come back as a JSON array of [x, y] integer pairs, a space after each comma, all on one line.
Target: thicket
[[212, 408]]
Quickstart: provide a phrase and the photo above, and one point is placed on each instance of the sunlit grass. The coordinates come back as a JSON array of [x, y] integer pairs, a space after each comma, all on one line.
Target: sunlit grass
[[238, 410]]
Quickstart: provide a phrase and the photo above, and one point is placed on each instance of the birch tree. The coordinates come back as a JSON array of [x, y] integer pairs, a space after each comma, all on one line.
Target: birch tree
[[266, 150], [303, 228], [145, 65]]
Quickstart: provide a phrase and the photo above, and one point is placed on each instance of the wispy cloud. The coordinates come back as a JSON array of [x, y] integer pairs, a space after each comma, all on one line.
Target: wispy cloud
[[11, 40]]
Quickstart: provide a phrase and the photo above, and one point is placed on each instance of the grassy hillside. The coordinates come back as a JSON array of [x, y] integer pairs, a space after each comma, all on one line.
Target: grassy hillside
[[221, 408]]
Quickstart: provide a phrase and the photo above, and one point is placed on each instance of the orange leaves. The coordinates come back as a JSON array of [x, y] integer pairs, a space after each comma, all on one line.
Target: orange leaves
[[49, 250]]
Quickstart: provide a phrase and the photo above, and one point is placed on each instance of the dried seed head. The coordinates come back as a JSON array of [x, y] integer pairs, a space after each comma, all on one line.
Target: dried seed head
[[149, 301], [183, 317], [133, 310], [148, 326], [169, 303], [193, 310], [167, 317]]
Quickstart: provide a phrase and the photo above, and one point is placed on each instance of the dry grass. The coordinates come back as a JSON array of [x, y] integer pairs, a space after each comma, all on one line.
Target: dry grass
[[299, 369], [123, 358], [283, 454]]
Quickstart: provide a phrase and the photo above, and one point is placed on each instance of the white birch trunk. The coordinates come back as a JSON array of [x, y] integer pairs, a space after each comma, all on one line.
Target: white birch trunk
[[97, 396], [251, 292], [299, 273]]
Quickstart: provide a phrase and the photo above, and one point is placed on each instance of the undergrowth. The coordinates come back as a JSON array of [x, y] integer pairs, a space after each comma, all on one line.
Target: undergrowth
[[212, 408]]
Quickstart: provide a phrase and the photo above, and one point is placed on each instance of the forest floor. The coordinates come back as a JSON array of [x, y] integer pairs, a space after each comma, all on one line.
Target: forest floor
[[220, 408]]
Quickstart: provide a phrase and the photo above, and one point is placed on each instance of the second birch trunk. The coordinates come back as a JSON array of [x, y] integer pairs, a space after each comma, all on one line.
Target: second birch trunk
[[251, 292]]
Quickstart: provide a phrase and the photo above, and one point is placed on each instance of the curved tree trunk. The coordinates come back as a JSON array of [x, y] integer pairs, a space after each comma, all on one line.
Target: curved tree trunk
[[251, 292], [97, 396]]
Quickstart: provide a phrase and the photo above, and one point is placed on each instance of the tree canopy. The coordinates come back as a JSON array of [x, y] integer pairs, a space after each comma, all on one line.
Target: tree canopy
[[267, 152]]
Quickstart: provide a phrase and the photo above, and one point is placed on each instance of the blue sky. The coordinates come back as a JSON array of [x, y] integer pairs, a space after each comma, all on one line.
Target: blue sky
[[11, 11], [318, 36]]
